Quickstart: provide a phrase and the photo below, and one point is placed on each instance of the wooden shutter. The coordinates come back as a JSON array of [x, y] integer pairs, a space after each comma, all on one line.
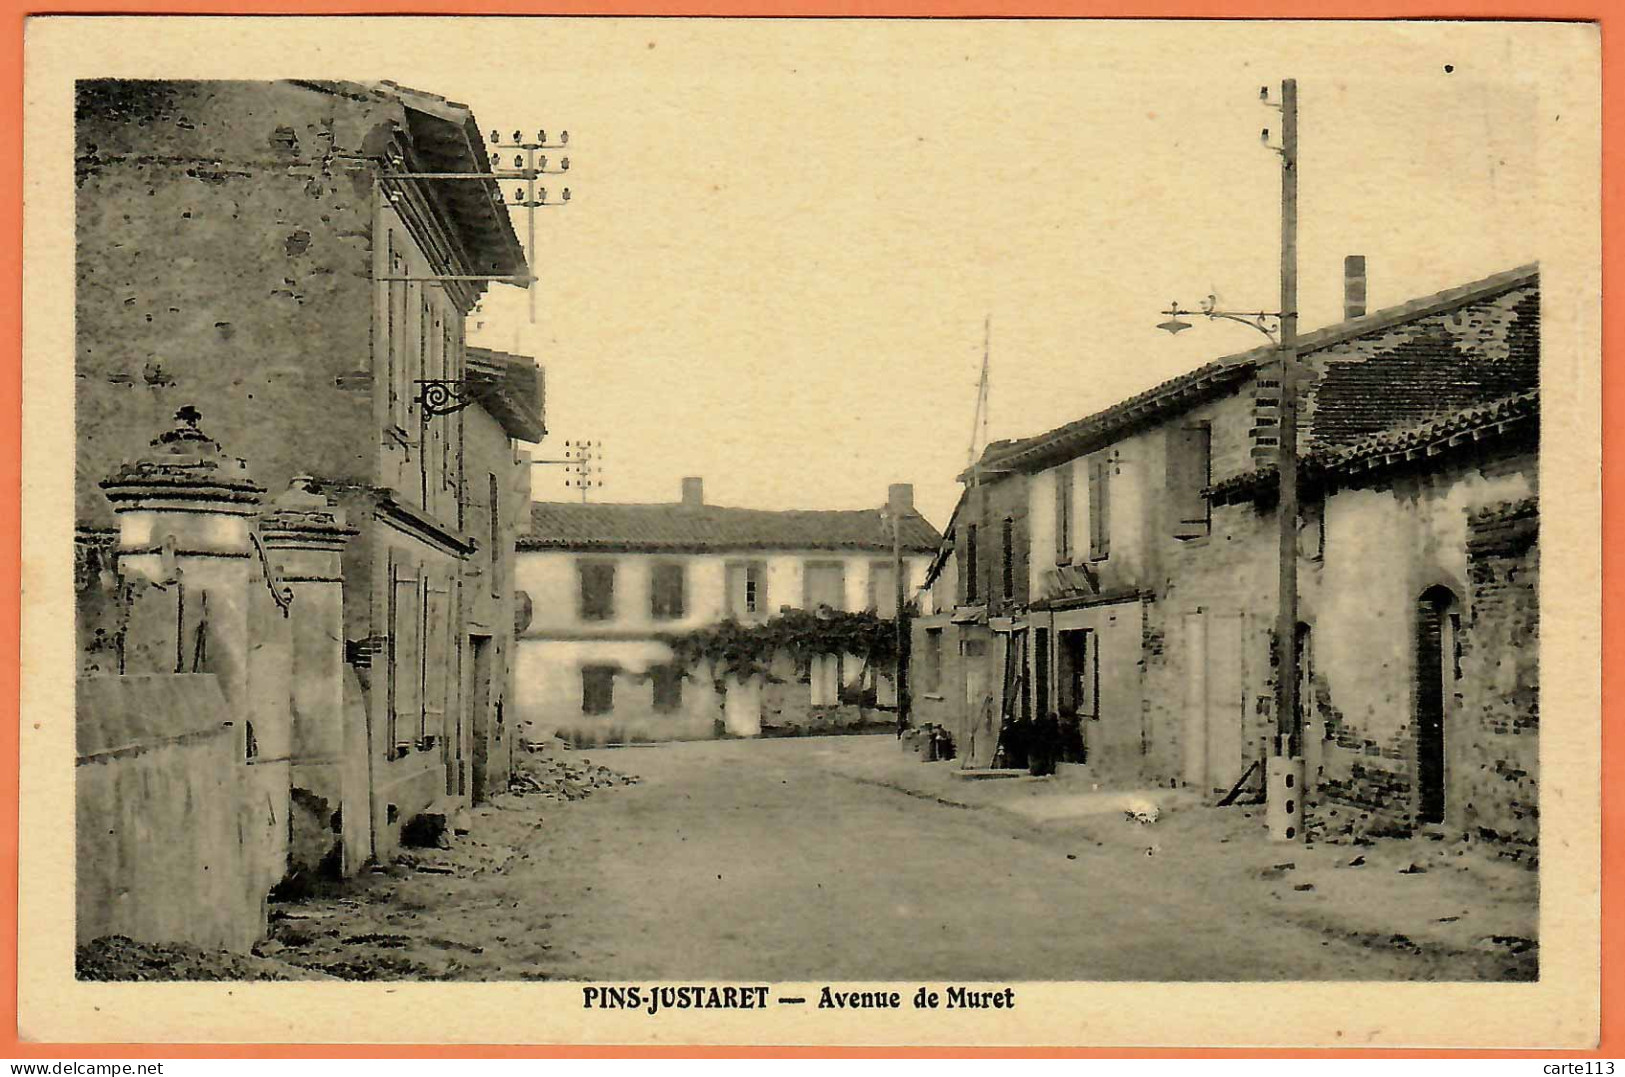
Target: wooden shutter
[[1063, 514], [667, 684], [1099, 509], [405, 653], [439, 660], [825, 585], [597, 590], [1189, 456], [973, 583], [1007, 553], [883, 588], [597, 689], [666, 590]]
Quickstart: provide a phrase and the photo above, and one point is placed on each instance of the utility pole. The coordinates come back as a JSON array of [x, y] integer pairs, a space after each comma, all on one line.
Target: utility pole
[[1284, 775], [1286, 786], [900, 622]]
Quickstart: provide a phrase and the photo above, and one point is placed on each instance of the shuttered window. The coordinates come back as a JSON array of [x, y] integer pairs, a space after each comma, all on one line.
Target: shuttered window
[[597, 689], [1100, 529], [666, 590], [824, 583], [973, 587], [667, 687], [405, 657], [597, 590], [1063, 514], [1007, 553], [439, 659], [1190, 468], [883, 588], [930, 664]]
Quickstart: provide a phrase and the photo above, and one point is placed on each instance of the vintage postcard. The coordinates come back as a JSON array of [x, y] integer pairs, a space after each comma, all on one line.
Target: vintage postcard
[[835, 532]]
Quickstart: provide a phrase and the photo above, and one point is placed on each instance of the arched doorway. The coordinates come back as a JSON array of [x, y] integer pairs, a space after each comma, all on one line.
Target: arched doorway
[[1438, 623]]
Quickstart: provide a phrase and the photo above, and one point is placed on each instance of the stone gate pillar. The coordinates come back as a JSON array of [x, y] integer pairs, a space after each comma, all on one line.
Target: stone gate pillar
[[304, 537], [184, 512]]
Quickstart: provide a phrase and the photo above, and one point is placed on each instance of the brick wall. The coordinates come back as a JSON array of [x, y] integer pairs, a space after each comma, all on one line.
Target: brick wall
[[1500, 707]]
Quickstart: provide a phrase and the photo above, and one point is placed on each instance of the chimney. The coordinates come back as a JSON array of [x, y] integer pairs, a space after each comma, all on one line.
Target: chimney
[[1354, 286], [693, 492], [900, 498]]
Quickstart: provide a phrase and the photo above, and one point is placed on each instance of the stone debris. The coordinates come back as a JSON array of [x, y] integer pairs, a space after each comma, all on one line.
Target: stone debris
[[118, 958], [547, 774]]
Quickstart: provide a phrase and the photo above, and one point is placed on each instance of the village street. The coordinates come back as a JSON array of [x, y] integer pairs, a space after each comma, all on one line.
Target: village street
[[805, 859]]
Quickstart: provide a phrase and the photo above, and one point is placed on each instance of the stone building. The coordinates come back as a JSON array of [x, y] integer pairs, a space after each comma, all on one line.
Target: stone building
[[1151, 600], [609, 583], [259, 250]]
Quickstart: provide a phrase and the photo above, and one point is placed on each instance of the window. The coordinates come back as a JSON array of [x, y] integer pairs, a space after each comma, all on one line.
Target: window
[[1007, 537], [668, 688], [1190, 472], [597, 590], [1100, 530], [972, 584], [883, 588], [747, 588], [824, 583], [930, 664], [1063, 514], [1078, 674], [597, 689], [666, 586]]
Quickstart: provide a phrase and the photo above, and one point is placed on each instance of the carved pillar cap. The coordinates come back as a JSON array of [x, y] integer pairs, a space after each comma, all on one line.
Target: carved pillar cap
[[302, 518], [184, 470]]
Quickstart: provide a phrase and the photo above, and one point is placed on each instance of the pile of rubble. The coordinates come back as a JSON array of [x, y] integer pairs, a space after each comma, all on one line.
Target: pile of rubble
[[547, 774]]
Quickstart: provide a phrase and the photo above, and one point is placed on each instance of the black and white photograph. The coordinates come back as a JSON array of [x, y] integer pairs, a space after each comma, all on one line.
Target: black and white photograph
[[839, 531]]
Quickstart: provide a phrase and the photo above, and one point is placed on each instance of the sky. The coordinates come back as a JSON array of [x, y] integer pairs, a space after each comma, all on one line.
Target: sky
[[786, 239]]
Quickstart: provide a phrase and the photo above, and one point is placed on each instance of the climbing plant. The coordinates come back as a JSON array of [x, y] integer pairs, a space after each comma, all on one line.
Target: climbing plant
[[732, 648]]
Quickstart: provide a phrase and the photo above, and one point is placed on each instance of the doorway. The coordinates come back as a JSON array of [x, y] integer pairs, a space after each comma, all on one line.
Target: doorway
[[486, 706], [1438, 622]]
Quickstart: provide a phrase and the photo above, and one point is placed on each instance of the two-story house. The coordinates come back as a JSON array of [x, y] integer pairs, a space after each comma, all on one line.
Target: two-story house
[[967, 646], [1153, 567], [272, 253], [608, 584]]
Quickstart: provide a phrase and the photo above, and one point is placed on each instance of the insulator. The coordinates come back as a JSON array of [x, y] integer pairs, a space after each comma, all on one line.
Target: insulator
[[541, 136], [519, 194], [518, 136], [567, 194], [1264, 135], [496, 136], [564, 138], [519, 160], [564, 165]]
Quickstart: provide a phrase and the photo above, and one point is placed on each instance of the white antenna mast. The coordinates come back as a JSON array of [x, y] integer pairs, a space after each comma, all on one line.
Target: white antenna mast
[[979, 420]]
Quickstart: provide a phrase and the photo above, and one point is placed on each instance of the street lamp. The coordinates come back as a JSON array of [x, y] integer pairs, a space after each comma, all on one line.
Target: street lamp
[[1285, 774]]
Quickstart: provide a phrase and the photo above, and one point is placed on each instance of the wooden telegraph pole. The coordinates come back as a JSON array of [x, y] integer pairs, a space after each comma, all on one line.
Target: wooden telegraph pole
[[1286, 786]]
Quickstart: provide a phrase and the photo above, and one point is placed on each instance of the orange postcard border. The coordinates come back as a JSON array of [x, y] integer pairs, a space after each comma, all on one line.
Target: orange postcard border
[[13, 16]]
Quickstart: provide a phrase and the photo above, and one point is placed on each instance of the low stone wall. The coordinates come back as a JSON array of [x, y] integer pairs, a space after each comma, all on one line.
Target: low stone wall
[[166, 840]]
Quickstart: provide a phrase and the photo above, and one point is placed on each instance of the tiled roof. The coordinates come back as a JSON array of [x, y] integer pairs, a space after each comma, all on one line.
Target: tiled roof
[[510, 387], [682, 528], [1424, 368], [446, 138], [1517, 414]]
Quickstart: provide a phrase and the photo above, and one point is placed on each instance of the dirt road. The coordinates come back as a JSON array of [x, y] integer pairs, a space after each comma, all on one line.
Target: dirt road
[[756, 861]]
